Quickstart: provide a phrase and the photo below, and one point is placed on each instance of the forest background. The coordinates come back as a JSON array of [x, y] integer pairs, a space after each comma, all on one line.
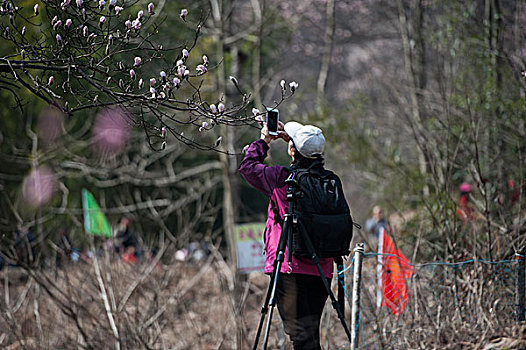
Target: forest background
[[414, 97]]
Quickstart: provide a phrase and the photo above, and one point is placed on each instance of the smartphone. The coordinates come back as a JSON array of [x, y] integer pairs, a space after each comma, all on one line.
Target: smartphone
[[272, 121]]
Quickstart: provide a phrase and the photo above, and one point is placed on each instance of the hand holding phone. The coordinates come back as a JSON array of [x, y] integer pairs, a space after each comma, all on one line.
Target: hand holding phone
[[272, 121]]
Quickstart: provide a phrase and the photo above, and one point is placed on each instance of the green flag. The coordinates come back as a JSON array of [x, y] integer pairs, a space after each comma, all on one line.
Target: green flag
[[95, 221]]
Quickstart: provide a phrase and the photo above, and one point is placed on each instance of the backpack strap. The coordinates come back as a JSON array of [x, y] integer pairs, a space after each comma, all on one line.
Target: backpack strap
[[341, 283]]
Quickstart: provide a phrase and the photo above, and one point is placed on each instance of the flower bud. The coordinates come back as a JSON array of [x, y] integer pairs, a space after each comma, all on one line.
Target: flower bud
[[177, 82], [118, 10], [101, 4], [185, 53], [102, 20], [283, 85], [68, 23], [85, 31], [59, 38], [50, 80], [23, 30], [150, 8], [132, 74], [205, 60], [163, 132], [153, 82], [220, 108], [140, 15], [201, 69], [128, 24], [136, 24], [137, 61], [293, 86], [141, 83], [179, 63], [255, 111], [213, 108], [36, 8], [112, 3], [79, 3], [184, 13], [162, 74]]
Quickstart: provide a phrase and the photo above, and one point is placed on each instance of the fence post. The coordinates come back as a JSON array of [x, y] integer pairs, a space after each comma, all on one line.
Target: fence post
[[357, 279], [520, 285]]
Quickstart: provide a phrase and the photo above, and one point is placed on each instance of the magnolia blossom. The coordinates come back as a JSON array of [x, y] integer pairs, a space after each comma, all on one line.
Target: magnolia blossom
[[283, 85], [255, 111], [204, 125], [213, 108], [85, 31], [184, 13], [50, 80], [79, 3], [153, 81], [54, 20], [163, 131], [132, 74], [259, 119], [101, 4], [186, 73], [293, 86], [201, 69], [23, 30], [57, 24], [36, 8], [118, 10], [38, 186], [181, 70], [177, 82], [128, 24], [150, 8], [205, 60], [185, 53], [162, 95], [68, 23], [136, 24], [141, 83], [140, 15], [162, 74], [220, 108], [102, 20], [152, 90], [179, 63], [59, 38], [137, 61], [113, 2]]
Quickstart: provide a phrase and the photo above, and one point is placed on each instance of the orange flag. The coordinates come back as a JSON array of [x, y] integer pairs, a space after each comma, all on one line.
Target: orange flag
[[393, 270]]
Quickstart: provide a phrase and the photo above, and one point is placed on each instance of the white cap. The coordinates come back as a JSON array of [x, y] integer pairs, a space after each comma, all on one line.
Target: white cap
[[308, 139]]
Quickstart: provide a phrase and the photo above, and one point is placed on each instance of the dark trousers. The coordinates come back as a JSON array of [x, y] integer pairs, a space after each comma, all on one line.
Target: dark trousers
[[301, 299]]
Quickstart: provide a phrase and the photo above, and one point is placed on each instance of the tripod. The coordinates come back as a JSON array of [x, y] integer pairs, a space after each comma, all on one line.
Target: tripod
[[286, 236]]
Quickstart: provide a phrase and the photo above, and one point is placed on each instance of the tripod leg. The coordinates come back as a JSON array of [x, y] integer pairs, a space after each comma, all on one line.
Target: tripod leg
[[264, 309], [273, 300]]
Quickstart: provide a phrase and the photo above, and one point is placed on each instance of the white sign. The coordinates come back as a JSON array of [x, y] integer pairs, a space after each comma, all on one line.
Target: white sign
[[249, 247]]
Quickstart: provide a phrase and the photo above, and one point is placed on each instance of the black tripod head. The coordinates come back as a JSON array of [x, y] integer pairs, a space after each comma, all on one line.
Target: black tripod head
[[293, 187]]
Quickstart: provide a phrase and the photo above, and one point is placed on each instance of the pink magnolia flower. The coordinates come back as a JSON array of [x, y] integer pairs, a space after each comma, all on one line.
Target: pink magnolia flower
[[162, 74], [54, 20], [205, 60], [101, 4], [23, 30], [177, 82], [141, 83], [255, 111], [163, 132], [186, 73], [85, 31], [118, 10], [201, 69], [150, 8], [203, 126], [102, 20], [180, 71], [185, 53], [79, 3], [59, 38], [283, 85], [179, 63], [220, 108], [153, 81], [140, 15], [184, 13], [112, 3], [136, 24], [132, 74], [38, 187], [36, 9], [128, 24], [50, 80], [162, 95], [68, 23], [213, 108], [137, 61]]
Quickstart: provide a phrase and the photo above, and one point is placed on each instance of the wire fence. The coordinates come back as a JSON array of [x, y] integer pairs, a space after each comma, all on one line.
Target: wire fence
[[447, 303]]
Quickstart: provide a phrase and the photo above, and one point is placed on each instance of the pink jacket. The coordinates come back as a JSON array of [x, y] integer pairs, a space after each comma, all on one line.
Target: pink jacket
[[270, 180]]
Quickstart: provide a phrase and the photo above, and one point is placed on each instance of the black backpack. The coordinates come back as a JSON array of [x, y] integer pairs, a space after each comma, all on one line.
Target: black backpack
[[322, 213]]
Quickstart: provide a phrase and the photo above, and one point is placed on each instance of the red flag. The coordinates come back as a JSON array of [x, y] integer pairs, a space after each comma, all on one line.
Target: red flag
[[393, 270]]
